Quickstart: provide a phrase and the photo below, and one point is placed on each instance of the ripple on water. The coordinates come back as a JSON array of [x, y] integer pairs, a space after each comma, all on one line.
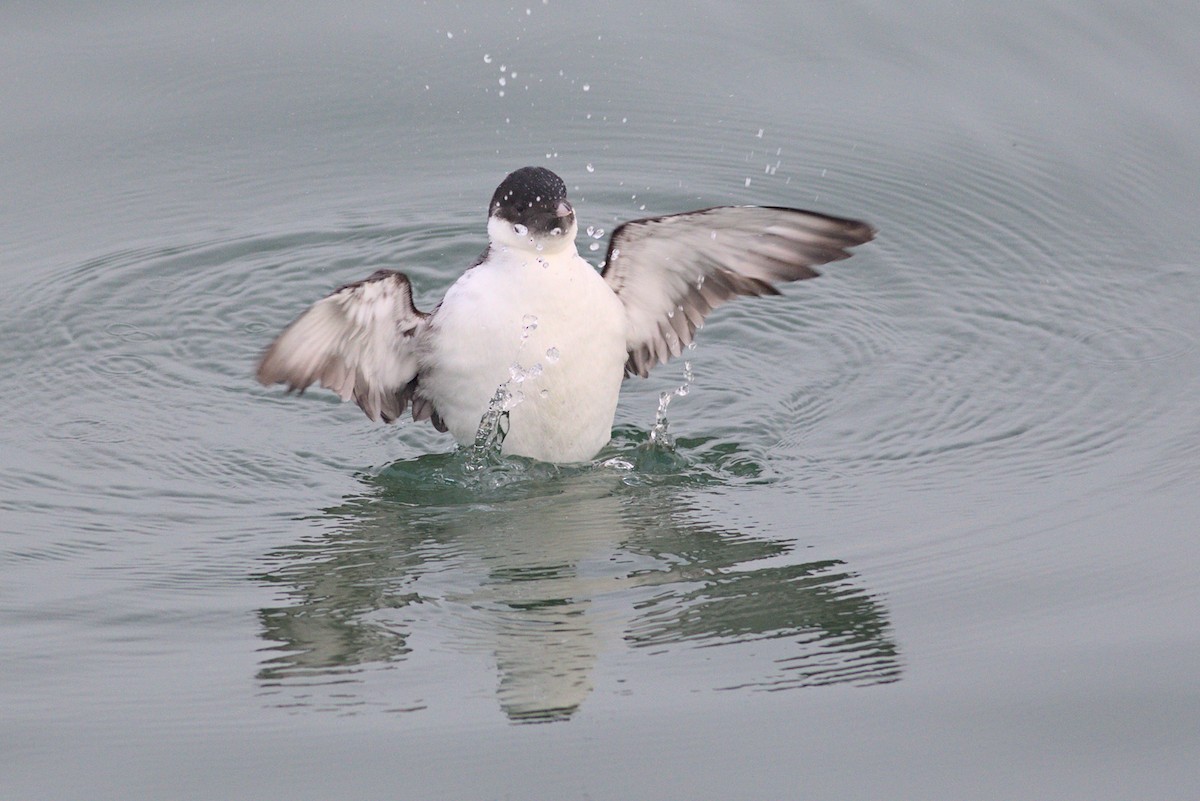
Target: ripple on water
[[1007, 340], [562, 566], [133, 364]]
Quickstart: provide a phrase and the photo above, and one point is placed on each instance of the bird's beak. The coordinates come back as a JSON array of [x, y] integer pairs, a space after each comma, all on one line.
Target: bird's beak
[[564, 209]]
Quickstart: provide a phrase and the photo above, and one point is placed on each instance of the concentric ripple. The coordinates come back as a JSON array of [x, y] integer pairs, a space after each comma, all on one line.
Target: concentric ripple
[[998, 346], [138, 367]]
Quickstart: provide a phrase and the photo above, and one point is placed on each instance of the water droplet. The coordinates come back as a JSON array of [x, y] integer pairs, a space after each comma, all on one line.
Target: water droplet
[[513, 400], [535, 371], [487, 58], [501, 93], [545, 393], [529, 324], [599, 233], [520, 229], [552, 355], [587, 87], [590, 168], [594, 246], [760, 133], [516, 373], [503, 81], [700, 283], [449, 35], [747, 182]]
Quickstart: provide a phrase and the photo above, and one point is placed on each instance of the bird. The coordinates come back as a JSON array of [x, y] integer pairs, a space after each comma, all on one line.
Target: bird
[[534, 325]]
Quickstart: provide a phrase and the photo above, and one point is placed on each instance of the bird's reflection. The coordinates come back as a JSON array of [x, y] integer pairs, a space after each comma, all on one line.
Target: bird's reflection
[[545, 570]]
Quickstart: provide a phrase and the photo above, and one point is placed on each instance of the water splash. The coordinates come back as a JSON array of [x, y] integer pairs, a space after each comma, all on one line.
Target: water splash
[[494, 424], [519, 375], [660, 434], [493, 428]]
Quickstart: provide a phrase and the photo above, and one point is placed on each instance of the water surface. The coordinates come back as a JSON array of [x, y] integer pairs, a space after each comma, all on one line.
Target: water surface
[[929, 526]]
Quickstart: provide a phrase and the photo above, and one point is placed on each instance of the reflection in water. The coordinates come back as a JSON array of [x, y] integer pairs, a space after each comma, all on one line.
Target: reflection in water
[[545, 570]]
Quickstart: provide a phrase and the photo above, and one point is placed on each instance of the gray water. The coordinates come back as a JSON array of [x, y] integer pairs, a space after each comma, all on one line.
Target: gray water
[[929, 529]]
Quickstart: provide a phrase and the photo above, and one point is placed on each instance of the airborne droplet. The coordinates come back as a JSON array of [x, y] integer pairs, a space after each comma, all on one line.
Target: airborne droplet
[[513, 400]]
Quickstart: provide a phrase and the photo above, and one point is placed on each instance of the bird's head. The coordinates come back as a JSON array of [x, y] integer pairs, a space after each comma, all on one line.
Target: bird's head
[[530, 210]]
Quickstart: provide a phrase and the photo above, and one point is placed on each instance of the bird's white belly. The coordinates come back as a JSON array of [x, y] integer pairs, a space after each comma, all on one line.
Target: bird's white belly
[[552, 331]]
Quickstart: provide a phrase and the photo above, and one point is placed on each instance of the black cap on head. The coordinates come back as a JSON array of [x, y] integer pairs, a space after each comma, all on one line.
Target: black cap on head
[[534, 197]]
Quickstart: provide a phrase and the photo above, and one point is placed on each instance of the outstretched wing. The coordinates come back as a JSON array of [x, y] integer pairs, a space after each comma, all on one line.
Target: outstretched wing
[[670, 272], [358, 341]]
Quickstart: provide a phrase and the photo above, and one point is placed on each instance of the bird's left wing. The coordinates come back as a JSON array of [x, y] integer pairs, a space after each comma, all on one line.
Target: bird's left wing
[[670, 272], [359, 342]]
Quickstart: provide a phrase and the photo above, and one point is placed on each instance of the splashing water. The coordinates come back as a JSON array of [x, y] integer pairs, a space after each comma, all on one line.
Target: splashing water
[[494, 424], [519, 375], [660, 434], [493, 428]]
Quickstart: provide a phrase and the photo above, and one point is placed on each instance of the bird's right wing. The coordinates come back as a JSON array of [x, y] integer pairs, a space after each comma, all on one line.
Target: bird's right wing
[[359, 342]]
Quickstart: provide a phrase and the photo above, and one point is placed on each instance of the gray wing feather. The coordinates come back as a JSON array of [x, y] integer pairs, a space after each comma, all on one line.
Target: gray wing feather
[[359, 342], [670, 272]]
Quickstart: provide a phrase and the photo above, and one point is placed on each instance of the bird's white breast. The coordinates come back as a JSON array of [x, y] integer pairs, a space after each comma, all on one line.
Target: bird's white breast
[[548, 325]]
